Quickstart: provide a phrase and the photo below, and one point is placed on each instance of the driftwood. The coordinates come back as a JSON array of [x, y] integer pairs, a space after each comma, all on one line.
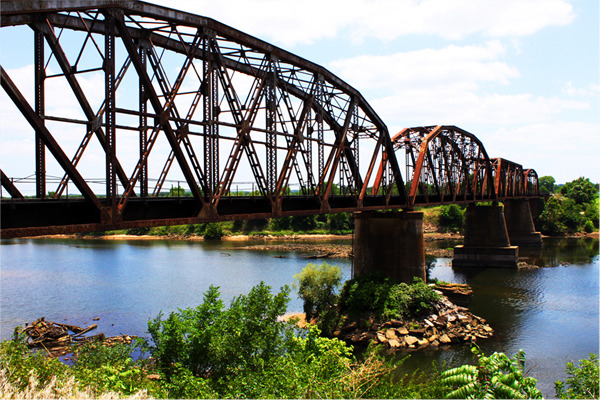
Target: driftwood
[[58, 339]]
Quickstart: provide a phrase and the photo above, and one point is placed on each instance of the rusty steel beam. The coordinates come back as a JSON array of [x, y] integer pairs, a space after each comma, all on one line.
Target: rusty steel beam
[[36, 122], [10, 186]]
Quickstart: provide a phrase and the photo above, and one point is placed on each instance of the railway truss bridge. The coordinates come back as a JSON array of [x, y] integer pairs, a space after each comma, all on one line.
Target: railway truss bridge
[[249, 129]]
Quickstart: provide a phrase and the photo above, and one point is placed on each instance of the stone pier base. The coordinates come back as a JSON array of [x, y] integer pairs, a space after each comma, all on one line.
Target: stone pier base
[[389, 243], [519, 224], [486, 242]]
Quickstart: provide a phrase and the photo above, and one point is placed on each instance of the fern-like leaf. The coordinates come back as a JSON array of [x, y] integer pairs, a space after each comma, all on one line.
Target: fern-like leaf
[[464, 369], [503, 391], [464, 392], [459, 380]]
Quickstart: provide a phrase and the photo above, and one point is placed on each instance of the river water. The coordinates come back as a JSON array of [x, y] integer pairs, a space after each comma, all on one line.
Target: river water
[[550, 312]]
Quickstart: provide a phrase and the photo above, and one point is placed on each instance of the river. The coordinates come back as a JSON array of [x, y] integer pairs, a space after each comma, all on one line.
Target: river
[[550, 312]]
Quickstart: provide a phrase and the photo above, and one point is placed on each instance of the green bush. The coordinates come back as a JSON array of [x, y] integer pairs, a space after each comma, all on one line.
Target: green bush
[[405, 301], [383, 299], [581, 190], [211, 341], [451, 217], [280, 224], [213, 231], [583, 381], [365, 294], [317, 285], [495, 377], [303, 223], [19, 361]]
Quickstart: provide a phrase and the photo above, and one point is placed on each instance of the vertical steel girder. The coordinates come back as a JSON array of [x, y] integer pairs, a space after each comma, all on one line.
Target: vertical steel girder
[[40, 150]]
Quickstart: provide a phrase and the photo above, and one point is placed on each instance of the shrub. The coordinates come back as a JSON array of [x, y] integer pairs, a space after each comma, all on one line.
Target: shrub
[[280, 224], [409, 300], [382, 298], [303, 223], [210, 341], [213, 231], [317, 285], [583, 381], [365, 293], [495, 377], [451, 217]]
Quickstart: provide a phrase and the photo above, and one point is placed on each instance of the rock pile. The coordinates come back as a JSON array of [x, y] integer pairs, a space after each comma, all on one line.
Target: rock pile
[[449, 324]]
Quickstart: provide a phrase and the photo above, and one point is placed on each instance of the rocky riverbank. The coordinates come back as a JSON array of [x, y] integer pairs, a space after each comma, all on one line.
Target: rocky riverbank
[[447, 324]]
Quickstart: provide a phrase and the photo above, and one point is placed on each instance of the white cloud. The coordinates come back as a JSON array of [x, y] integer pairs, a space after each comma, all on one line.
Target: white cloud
[[559, 149], [453, 68], [288, 22]]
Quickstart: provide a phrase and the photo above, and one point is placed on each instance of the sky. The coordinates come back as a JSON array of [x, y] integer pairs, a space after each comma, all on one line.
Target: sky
[[523, 76]]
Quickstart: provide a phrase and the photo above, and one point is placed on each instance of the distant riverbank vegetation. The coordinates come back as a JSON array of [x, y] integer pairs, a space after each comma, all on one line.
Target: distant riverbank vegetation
[[246, 350], [571, 208]]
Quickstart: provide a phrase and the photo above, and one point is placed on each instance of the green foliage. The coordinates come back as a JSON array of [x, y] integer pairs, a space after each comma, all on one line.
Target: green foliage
[[280, 224], [176, 192], [451, 217], [317, 285], [340, 222], [563, 214], [303, 223], [581, 190], [409, 300], [546, 184], [16, 358], [365, 294], [109, 368], [210, 341], [495, 377], [213, 231], [583, 381], [551, 218], [382, 298]]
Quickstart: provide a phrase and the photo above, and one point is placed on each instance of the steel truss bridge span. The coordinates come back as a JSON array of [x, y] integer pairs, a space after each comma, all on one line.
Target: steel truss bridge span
[[162, 93]]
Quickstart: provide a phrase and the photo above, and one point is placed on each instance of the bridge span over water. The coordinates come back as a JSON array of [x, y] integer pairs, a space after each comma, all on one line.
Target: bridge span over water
[[249, 129]]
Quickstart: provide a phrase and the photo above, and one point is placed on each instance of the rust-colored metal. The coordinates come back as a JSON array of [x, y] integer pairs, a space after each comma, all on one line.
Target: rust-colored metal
[[292, 130], [446, 165]]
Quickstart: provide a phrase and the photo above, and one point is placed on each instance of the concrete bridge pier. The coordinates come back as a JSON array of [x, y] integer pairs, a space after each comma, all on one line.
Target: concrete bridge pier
[[486, 240], [389, 243], [519, 222]]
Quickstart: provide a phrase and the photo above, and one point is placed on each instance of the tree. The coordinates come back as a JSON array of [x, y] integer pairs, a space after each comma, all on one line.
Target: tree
[[451, 217], [317, 285], [582, 381], [176, 191], [546, 184], [581, 190]]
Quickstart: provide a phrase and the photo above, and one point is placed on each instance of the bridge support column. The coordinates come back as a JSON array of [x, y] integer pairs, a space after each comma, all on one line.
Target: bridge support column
[[519, 223], [486, 242], [389, 243]]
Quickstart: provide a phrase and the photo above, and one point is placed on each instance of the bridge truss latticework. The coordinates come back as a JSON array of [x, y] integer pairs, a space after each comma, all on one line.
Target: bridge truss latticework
[[174, 103]]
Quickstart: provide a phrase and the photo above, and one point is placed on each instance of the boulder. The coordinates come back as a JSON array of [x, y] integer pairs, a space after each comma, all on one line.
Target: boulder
[[402, 331], [394, 343], [410, 340], [445, 339], [391, 334]]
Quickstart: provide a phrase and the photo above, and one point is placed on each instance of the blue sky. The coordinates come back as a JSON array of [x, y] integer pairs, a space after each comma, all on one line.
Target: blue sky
[[521, 75]]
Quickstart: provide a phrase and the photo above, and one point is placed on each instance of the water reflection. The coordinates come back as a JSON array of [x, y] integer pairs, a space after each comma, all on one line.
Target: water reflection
[[551, 313]]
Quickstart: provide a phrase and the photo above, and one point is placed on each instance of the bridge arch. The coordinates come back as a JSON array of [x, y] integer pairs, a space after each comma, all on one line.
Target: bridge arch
[[446, 163]]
